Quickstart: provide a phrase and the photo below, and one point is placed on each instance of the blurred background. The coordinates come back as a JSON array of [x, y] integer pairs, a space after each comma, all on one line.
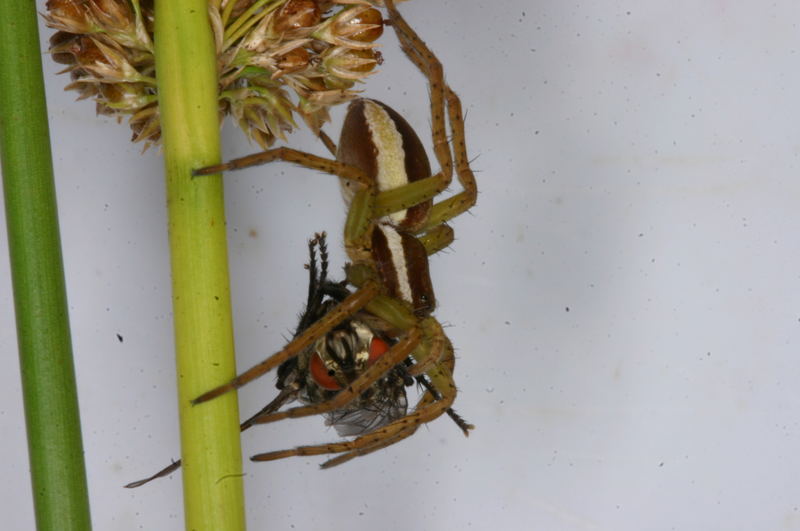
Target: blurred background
[[624, 298]]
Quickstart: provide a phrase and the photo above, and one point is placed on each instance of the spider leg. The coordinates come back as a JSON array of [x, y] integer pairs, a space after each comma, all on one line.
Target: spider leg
[[408, 195], [426, 61], [458, 419], [434, 354], [362, 445], [362, 205], [431, 347], [427, 409], [286, 395], [378, 444], [395, 355], [327, 141], [429, 65], [428, 398], [369, 448], [166, 471], [302, 158], [375, 440], [441, 377], [464, 200], [437, 238], [352, 304]]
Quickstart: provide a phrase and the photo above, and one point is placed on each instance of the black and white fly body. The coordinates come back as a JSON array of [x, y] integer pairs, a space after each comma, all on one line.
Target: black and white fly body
[[336, 359]]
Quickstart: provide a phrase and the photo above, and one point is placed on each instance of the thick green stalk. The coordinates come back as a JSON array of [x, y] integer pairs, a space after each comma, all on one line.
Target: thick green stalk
[[187, 88], [55, 450]]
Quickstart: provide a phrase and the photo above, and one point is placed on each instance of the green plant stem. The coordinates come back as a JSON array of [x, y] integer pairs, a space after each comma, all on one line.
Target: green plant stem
[[187, 88], [55, 450]]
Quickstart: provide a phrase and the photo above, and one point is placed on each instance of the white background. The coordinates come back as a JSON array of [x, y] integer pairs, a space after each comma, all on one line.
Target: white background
[[624, 297]]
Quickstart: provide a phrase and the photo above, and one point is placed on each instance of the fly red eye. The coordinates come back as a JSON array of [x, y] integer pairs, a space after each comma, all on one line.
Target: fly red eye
[[321, 375], [377, 348]]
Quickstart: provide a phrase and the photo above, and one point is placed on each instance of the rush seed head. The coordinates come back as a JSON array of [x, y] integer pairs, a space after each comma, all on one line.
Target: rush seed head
[[276, 59]]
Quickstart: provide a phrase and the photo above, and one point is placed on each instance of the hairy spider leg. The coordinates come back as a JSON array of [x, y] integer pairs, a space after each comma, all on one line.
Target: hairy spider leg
[[429, 397], [461, 202], [432, 69], [425, 342], [426, 61], [437, 238], [308, 160], [395, 355], [348, 307], [285, 396], [426, 410], [363, 206]]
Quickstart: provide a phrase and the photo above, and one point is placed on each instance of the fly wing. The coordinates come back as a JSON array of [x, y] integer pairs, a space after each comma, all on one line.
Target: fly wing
[[357, 421]]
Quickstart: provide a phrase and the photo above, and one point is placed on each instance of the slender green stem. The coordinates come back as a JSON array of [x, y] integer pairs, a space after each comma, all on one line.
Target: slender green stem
[[226, 13], [187, 88], [55, 450]]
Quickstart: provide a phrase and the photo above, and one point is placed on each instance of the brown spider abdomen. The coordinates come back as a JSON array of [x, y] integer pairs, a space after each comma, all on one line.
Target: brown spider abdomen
[[380, 142]]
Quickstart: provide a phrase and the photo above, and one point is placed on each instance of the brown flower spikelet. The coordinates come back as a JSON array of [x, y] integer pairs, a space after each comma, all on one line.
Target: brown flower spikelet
[[266, 50]]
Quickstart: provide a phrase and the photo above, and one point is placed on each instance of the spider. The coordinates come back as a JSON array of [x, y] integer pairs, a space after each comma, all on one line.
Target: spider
[[334, 360], [392, 227]]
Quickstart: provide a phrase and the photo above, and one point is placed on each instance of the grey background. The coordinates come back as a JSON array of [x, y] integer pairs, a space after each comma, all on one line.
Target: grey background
[[624, 297]]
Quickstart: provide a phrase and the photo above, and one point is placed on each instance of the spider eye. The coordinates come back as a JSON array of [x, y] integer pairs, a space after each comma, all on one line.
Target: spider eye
[[321, 375], [377, 348]]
